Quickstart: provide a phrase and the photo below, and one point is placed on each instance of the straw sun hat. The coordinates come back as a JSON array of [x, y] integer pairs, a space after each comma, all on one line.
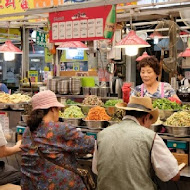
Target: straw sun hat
[[143, 104]]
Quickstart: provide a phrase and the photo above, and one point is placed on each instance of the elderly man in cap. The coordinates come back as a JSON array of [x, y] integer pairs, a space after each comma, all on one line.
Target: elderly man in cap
[[129, 153]]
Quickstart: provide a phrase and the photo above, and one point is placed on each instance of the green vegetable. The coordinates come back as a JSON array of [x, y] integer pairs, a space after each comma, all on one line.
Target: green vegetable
[[69, 101], [112, 102], [165, 104], [73, 112]]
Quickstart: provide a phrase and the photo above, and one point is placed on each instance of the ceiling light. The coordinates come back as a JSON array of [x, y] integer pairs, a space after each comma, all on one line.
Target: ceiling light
[[9, 49], [72, 45], [186, 53], [131, 43]]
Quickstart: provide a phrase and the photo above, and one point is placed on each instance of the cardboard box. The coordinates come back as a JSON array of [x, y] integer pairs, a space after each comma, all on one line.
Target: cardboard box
[[181, 158]]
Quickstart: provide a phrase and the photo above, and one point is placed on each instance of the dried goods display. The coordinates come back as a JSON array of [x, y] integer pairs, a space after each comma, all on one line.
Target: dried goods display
[[92, 100], [118, 115], [72, 112], [179, 119], [112, 102], [98, 113], [14, 98]]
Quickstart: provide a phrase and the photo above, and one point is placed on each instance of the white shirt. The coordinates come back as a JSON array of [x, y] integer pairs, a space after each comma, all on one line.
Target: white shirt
[[2, 137], [164, 163]]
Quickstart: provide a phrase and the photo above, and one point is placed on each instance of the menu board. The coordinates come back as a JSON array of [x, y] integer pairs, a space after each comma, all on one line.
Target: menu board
[[79, 24]]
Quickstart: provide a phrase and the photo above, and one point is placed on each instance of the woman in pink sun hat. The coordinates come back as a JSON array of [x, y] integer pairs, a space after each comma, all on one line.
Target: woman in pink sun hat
[[49, 145]]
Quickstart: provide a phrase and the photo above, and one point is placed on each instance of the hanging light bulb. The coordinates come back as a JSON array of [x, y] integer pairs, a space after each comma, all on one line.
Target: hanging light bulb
[[131, 43], [9, 56], [131, 51], [9, 50]]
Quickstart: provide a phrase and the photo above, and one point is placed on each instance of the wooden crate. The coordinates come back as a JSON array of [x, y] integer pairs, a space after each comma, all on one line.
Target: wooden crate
[[181, 158]]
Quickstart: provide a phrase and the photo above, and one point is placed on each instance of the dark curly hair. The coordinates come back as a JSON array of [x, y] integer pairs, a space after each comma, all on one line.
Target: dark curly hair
[[151, 62], [35, 118]]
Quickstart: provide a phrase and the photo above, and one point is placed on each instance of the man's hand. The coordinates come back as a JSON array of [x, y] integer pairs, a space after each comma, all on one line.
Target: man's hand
[[17, 146]]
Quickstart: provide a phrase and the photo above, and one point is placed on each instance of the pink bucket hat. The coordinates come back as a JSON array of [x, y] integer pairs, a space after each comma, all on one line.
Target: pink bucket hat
[[44, 100]]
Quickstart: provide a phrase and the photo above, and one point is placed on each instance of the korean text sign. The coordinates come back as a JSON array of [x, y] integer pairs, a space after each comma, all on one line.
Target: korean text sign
[[81, 24]]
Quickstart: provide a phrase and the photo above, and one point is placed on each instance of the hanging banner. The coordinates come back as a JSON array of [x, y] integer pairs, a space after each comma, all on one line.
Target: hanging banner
[[14, 6], [83, 24]]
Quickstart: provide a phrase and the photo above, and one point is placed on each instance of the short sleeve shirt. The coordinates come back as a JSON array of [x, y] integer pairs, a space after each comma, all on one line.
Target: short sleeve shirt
[[3, 141], [168, 91]]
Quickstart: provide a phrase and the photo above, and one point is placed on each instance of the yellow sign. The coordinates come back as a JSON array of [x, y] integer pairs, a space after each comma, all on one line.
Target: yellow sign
[[48, 56], [14, 6], [33, 75]]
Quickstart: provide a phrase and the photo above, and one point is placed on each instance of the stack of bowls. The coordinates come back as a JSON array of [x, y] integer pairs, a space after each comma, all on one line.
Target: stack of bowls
[[52, 85], [94, 91], [86, 90], [75, 85], [104, 91], [63, 87]]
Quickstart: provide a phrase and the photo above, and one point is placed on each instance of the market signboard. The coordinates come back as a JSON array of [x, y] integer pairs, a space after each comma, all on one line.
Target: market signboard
[[82, 24], [41, 38], [14, 6]]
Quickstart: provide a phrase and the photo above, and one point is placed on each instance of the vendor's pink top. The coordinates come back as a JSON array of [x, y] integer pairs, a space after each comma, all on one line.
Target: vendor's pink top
[[9, 47], [72, 44], [186, 53], [132, 39], [144, 55]]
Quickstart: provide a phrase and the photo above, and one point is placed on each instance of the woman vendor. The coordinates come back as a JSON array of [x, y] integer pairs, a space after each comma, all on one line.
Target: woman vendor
[[149, 70]]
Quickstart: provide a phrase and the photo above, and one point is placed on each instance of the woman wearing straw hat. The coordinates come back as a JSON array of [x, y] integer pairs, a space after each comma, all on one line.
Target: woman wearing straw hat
[[129, 152], [149, 68], [48, 146]]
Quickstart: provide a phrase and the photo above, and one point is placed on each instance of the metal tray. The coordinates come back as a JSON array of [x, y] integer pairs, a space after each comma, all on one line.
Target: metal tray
[[3, 106], [178, 131], [74, 121], [95, 124], [17, 106]]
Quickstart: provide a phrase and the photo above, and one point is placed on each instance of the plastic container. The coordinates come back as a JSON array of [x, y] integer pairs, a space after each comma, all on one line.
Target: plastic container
[[87, 82], [126, 89]]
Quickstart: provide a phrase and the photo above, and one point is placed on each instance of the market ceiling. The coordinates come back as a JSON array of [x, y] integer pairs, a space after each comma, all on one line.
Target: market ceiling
[[139, 13]]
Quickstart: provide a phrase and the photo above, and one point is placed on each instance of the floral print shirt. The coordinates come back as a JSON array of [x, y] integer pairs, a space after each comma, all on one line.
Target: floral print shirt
[[59, 142], [168, 91]]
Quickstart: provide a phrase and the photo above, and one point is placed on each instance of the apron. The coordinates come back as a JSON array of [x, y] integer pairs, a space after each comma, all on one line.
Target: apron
[[162, 90]]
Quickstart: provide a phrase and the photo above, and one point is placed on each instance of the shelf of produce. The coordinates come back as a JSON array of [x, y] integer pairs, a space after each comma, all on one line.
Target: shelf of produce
[[83, 96]]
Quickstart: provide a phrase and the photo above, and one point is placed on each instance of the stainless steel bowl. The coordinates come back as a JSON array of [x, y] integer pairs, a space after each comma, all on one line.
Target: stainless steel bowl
[[94, 124], [86, 90], [86, 108], [74, 121], [113, 122], [178, 131], [3, 106], [164, 114], [17, 106]]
